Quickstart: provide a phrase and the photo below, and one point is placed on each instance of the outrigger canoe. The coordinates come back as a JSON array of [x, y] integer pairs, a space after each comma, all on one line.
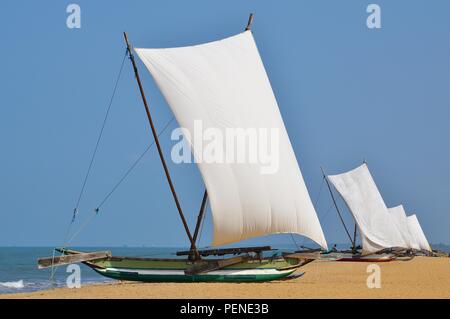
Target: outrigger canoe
[[243, 268]]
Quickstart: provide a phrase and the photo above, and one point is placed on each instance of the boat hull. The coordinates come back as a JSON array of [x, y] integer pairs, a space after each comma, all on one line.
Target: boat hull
[[173, 270], [228, 275], [349, 257], [369, 258]]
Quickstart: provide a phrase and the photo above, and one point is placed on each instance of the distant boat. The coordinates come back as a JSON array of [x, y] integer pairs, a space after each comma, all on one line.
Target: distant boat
[[384, 232], [224, 84], [418, 239]]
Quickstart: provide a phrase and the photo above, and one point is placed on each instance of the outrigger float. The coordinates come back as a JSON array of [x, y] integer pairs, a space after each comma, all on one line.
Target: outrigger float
[[224, 84]]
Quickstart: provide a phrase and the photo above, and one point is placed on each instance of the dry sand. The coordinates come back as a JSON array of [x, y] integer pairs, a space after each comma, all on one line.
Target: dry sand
[[422, 277]]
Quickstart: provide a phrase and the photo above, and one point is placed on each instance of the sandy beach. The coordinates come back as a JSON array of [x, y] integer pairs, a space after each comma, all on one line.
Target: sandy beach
[[422, 277]]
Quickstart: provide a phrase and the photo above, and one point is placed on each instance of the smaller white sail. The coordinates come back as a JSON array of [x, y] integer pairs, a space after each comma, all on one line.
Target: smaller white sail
[[419, 241], [377, 227], [401, 222]]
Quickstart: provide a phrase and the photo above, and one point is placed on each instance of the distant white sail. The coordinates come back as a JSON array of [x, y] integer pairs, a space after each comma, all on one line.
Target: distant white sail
[[376, 225], [419, 241], [400, 219], [224, 84]]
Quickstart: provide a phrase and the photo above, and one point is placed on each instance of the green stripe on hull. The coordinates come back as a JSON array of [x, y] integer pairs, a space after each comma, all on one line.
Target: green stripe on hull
[[130, 276]]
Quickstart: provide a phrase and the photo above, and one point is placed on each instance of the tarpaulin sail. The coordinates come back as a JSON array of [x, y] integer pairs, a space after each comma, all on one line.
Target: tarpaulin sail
[[377, 227], [224, 84], [419, 241]]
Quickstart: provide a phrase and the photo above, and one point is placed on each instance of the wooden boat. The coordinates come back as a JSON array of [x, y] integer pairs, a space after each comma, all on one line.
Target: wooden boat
[[205, 82], [355, 256], [374, 258], [244, 268], [386, 233]]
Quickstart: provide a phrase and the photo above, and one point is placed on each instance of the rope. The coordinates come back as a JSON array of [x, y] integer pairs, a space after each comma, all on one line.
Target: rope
[[96, 210], [129, 170], [86, 177], [315, 205], [83, 226], [52, 271], [326, 214], [339, 213], [98, 139], [320, 192], [295, 243]]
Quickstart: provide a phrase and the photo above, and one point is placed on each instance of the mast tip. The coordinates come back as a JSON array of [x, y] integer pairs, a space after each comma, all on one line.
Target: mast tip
[[249, 23]]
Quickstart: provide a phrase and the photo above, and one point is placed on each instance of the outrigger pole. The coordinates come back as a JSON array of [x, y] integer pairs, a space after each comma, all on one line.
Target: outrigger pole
[[161, 155], [337, 208]]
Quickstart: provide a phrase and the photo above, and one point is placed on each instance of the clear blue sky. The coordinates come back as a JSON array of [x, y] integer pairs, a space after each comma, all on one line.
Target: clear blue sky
[[346, 93]]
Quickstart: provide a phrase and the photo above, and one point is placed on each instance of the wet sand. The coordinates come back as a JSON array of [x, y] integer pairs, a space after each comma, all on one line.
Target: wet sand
[[422, 277]]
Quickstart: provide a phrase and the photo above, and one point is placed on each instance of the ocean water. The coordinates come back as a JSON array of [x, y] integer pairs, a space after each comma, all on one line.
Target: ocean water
[[19, 272]]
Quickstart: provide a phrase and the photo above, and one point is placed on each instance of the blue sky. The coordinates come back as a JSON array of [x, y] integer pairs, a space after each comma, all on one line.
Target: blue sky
[[346, 93]]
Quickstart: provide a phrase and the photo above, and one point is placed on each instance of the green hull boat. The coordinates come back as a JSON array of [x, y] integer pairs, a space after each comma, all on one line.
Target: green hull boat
[[243, 268], [169, 270]]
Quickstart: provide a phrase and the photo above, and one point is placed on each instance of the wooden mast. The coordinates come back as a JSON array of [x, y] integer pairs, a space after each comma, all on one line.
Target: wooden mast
[[249, 23], [161, 156], [356, 226], [354, 239], [201, 213]]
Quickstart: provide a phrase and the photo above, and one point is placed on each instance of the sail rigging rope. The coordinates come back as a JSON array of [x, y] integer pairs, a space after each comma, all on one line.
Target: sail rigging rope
[[339, 213], [128, 171], [315, 205], [86, 177], [320, 192], [131, 168], [97, 144]]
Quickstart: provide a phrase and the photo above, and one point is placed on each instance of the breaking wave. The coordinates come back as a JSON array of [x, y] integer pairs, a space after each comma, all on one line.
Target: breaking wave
[[13, 284]]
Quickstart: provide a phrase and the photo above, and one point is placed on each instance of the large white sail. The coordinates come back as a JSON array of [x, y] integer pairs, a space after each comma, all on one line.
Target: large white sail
[[377, 227], [419, 241], [224, 84]]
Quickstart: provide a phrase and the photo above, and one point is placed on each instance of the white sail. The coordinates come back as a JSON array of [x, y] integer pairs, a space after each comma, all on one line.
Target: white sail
[[419, 241], [400, 220], [377, 227], [224, 84]]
